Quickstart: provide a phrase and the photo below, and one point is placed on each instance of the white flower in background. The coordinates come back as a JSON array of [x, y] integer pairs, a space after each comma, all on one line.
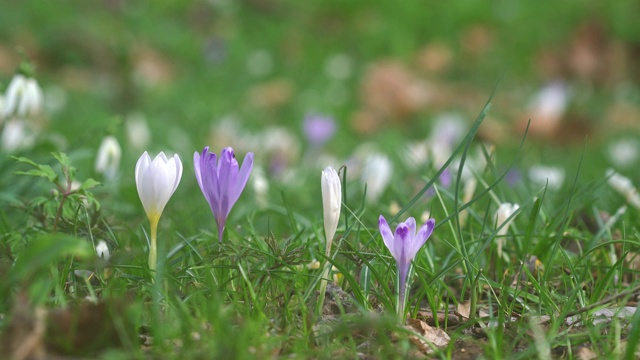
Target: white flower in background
[[551, 100], [260, 63], [16, 135], [376, 173], [624, 187], [339, 67], [447, 131], [548, 106], [504, 212], [541, 174], [103, 250], [282, 149], [23, 98], [108, 159], [415, 155], [624, 152], [260, 185], [138, 133]]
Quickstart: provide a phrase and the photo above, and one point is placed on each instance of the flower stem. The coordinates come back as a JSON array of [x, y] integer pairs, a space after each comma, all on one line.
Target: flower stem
[[153, 248], [325, 275], [403, 272]]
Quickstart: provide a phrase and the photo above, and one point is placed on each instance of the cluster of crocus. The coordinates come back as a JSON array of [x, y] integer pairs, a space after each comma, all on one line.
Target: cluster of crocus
[[220, 180], [403, 246]]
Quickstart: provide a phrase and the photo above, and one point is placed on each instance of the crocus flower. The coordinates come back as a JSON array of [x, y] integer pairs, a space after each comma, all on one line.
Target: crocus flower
[[138, 133], [404, 245], [549, 176], [331, 200], [376, 173], [504, 212], [221, 181], [108, 159], [331, 203], [156, 181], [318, 129], [624, 187]]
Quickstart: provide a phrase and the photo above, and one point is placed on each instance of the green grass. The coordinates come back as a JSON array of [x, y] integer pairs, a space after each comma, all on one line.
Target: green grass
[[567, 256]]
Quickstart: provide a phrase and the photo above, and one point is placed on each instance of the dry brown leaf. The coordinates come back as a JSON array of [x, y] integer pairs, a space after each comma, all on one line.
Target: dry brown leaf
[[464, 309], [585, 353], [391, 90], [435, 58], [434, 336], [151, 68], [477, 40], [272, 94]]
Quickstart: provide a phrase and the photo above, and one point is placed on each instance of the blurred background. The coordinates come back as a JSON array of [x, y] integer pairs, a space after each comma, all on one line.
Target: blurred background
[[180, 75]]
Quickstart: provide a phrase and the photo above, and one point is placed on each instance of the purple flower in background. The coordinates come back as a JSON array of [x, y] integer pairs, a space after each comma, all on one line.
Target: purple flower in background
[[318, 129], [221, 181], [513, 177], [404, 246]]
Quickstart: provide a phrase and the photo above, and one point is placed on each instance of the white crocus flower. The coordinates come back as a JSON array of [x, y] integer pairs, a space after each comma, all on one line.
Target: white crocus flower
[[138, 133], [504, 212], [23, 97], [543, 175], [331, 202], [108, 159], [103, 250], [376, 173], [624, 152], [260, 185], [624, 187], [156, 181]]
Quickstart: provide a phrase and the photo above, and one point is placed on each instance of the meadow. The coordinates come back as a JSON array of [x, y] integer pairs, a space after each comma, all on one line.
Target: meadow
[[319, 179]]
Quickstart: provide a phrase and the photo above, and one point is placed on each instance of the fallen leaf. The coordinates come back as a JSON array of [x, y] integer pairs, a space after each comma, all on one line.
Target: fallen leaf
[[464, 309], [433, 336], [585, 353]]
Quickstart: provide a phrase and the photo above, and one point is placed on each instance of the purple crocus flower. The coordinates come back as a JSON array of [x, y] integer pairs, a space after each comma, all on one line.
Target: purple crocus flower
[[404, 246], [318, 129], [221, 181]]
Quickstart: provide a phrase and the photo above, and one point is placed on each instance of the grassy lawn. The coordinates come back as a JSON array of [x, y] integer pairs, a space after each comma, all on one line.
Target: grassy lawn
[[513, 125]]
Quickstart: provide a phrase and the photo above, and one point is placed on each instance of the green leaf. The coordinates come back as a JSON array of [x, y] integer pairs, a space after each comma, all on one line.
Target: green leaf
[[44, 171], [89, 184], [62, 158]]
